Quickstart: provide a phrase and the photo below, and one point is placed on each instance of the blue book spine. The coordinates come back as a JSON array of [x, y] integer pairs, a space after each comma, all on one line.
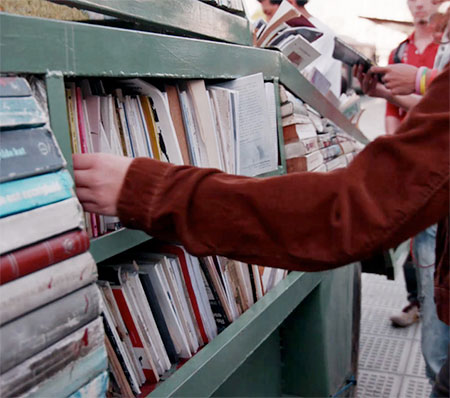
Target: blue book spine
[[95, 388], [29, 193], [20, 111]]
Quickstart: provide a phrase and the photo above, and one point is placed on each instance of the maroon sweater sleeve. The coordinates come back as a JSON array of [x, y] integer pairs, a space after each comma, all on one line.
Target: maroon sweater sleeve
[[394, 188]]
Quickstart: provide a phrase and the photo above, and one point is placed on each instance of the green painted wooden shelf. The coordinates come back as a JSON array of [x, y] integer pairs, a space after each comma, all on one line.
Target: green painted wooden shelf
[[184, 17], [285, 343]]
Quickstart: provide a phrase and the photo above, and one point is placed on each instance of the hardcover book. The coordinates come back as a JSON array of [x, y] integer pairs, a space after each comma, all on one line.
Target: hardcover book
[[28, 293], [26, 194], [20, 111], [14, 87], [60, 369], [28, 152], [33, 258], [33, 226], [35, 331]]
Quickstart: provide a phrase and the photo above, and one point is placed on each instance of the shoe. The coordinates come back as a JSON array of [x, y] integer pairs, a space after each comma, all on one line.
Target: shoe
[[408, 316]]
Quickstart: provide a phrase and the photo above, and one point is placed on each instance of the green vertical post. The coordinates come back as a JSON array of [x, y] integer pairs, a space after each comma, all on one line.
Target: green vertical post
[[56, 99]]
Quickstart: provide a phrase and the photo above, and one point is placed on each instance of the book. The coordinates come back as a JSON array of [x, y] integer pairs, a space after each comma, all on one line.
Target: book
[[256, 140], [29, 193], [220, 317], [336, 163], [60, 369], [283, 14], [14, 87], [35, 257], [95, 388], [295, 132], [307, 162], [29, 292], [350, 56], [20, 112], [116, 369], [297, 50], [33, 226], [307, 32], [159, 317], [207, 135], [27, 152], [331, 152], [177, 118], [26, 336], [162, 118], [145, 359], [120, 337], [301, 147]]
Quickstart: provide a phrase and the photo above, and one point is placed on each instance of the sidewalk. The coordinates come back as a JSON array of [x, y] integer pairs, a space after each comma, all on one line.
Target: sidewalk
[[390, 360]]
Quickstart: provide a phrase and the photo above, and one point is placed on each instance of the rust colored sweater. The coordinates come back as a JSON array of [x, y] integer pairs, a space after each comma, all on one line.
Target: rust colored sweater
[[396, 187]]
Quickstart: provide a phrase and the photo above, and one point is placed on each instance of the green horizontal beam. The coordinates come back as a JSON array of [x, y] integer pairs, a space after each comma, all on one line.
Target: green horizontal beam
[[218, 360], [178, 16], [33, 45], [109, 245]]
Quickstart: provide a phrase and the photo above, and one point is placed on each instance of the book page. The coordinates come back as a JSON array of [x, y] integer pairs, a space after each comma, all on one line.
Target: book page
[[256, 140]]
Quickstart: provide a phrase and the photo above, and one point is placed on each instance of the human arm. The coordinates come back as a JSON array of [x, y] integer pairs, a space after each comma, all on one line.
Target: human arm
[[395, 188]]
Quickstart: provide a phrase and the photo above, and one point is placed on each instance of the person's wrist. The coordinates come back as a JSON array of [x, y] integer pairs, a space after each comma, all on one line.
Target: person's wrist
[[418, 78]]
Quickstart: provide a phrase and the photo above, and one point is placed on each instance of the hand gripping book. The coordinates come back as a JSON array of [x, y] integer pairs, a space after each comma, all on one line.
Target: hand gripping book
[[37, 330], [28, 152], [28, 293], [26, 228]]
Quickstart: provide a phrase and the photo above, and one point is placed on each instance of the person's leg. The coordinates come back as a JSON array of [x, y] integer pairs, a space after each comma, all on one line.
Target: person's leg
[[410, 313], [441, 387], [435, 333]]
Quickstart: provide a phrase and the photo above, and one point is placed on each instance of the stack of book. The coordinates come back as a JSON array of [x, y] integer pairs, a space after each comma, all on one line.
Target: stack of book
[[161, 305], [51, 334], [230, 126], [291, 33], [312, 143]]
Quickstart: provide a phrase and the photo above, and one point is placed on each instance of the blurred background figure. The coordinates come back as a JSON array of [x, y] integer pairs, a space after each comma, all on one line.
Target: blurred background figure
[[269, 7]]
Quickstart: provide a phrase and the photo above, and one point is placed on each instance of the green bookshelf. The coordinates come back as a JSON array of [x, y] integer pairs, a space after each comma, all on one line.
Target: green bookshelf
[[285, 343]]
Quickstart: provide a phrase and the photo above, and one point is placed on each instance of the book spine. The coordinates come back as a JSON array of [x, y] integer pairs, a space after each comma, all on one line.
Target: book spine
[[95, 388], [220, 316], [133, 332], [60, 369], [81, 124], [72, 122], [32, 226], [62, 317], [31, 291], [24, 153], [26, 194]]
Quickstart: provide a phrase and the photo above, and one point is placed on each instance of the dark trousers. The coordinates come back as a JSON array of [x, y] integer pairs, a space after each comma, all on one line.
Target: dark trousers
[[411, 281]]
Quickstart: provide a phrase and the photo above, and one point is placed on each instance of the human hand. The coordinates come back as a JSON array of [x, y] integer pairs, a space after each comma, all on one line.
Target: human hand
[[98, 180], [369, 82], [400, 79]]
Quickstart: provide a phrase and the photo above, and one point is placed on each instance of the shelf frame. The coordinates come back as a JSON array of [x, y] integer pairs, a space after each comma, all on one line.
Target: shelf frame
[[182, 17]]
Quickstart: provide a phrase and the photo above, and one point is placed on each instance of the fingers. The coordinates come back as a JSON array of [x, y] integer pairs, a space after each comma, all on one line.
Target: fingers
[[379, 70], [85, 195], [83, 178], [83, 161]]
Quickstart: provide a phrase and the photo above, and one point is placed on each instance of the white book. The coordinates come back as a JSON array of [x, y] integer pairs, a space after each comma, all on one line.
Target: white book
[[222, 103], [301, 147], [141, 298], [299, 51], [165, 122], [109, 319], [150, 358], [176, 331], [256, 138], [179, 301], [272, 112], [191, 129], [258, 282], [39, 288], [123, 122], [122, 330], [202, 296], [23, 229], [33, 376]]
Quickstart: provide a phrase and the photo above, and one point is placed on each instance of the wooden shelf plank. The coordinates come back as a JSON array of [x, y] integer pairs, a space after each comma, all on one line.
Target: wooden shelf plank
[[116, 242], [185, 17]]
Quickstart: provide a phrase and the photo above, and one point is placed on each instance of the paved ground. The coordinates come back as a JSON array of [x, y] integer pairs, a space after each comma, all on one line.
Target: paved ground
[[390, 361]]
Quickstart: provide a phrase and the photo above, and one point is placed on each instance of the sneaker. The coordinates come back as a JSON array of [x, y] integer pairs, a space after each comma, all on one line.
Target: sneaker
[[408, 316]]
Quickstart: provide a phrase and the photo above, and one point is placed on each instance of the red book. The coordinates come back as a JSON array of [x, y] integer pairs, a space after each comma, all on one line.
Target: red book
[[180, 254], [138, 347], [33, 258]]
